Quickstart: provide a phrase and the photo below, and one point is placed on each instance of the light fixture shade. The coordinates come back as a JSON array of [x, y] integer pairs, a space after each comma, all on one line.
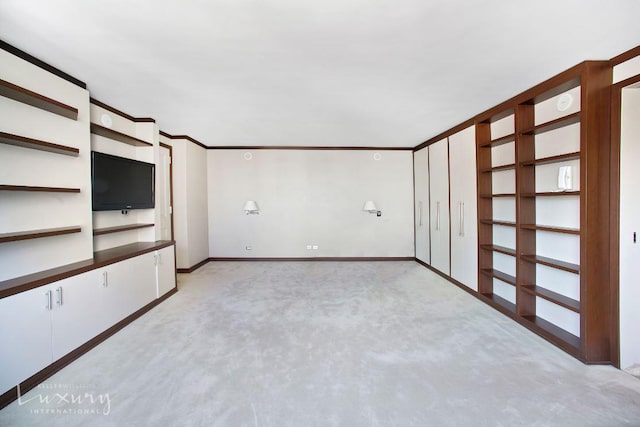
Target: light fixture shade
[[251, 206], [370, 206]]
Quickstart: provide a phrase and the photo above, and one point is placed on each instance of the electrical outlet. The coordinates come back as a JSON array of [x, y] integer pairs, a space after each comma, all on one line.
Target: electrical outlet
[[315, 247], [247, 248], [308, 247]]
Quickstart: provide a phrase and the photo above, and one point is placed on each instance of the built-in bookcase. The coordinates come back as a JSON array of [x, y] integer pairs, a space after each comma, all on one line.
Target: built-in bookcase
[[543, 244]]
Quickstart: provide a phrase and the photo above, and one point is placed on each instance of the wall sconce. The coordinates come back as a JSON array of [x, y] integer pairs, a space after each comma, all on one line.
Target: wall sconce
[[370, 206], [251, 207]]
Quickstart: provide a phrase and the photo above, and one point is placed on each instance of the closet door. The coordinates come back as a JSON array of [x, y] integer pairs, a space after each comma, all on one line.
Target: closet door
[[421, 203], [463, 202], [439, 204]]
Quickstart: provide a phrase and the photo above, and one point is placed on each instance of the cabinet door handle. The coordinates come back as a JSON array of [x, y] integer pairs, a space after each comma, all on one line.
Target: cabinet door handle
[[420, 213], [437, 216], [462, 219], [105, 279], [49, 297], [59, 295]]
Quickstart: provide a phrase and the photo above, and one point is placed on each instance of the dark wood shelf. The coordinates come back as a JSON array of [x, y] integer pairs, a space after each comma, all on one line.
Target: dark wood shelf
[[556, 335], [36, 144], [554, 297], [495, 222], [552, 159], [491, 272], [564, 230], [500, 249], [118, 136], [550, 262], [553, 124], [119, 228], [100, 259], [499, 168], [40, 189], [36, 234], [499, 303], [499, 141], [491, 196], [551, 194], [20, 94]]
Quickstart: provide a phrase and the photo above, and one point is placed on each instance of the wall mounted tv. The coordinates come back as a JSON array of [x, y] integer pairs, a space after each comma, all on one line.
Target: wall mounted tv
[[118, 183]]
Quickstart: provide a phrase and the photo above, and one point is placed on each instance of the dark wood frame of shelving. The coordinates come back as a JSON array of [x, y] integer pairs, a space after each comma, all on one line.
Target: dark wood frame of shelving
[[37, 234], [96, 129], [31, 188], [36, 144], [597, 341], [119, 228], [26, 96]]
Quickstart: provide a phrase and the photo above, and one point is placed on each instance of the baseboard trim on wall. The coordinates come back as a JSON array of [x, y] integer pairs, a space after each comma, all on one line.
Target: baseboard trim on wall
[[408, 258], [193, 267], [31, 382]]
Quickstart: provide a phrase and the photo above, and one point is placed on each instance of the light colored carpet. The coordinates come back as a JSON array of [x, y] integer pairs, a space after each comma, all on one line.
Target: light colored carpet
[[329, 344]]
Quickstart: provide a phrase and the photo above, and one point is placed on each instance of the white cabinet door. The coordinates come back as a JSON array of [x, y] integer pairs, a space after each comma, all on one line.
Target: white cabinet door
[[78, 312], [25, 334], [421, 203], [463, 202], [165, 271], [439, 204]]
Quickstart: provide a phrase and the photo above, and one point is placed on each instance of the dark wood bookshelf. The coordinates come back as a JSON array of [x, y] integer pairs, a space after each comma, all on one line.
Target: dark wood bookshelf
[[36, 144], [491, 272], [26, 96], [499, 303], [564, 230], [552, 159], [499, 141], [499, 249], [36, 234], [491, 196], [556, 335], [551, 194], [38, 189], [571, 119], [497, 222], [507, 167], [554, 263], [554, 297], [118, 136], [119, 228]]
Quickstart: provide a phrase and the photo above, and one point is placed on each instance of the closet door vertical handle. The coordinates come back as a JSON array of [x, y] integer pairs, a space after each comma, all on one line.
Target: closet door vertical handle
[[437, 216], [461, 217], [420, 213], [49, 297], [59, 295]]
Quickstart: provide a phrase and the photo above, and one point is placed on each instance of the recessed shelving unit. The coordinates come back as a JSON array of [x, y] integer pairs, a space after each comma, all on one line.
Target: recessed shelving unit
[[120, 228], [36, 144], [118, 136], [20, 94], [541, 137], [36, 234], [39, 189]]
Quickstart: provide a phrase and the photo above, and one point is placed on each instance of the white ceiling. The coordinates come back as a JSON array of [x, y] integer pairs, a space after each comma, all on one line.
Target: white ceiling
[[324, 72]]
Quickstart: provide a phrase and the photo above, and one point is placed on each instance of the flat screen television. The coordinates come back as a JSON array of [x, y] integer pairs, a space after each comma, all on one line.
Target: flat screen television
[[119, 183]]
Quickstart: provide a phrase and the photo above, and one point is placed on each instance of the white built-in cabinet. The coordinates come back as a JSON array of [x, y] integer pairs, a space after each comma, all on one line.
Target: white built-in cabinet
[[421, 203], [39, 326], [439, 205], [463, 203]]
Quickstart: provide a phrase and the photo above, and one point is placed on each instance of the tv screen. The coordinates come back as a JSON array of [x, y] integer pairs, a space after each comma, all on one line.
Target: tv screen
[[118, 183]]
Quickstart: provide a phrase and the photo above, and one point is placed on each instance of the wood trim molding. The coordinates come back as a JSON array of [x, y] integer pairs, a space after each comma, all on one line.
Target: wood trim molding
[[194, 267], [408, 258], [100, 259], [625, 56], [121, 113], [300, 147], [31, 382], [187, 137], [41, 64]]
